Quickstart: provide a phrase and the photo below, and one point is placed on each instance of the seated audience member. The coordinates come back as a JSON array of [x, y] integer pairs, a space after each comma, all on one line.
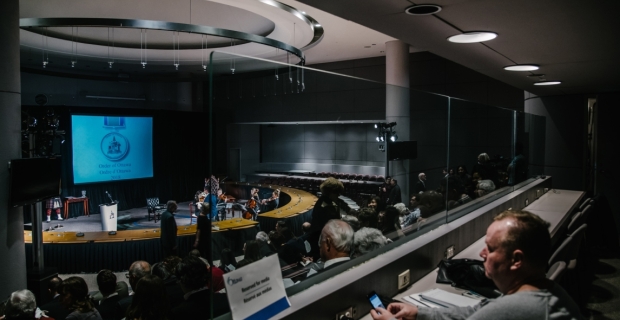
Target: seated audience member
[[287, 233], [402, 212], [414, 212], [137, 270], [368, 218], [376, 204], [228, 262], [251, 252], [366, 240], [106, 281], [288, 254], [263, 241], [174, 293], [391, 224], [281, 224], [193, 278], [464, 178], [515, 257], [121, 288], [150, 301], [21, 305], [336, 243], [352, 221], [74, 296], [53, 308], [306, 227], [484, 186], [217, 275]]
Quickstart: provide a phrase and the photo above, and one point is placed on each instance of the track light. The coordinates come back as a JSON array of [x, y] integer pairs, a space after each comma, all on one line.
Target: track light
[[378, 139], [376, 126], [394, 137]]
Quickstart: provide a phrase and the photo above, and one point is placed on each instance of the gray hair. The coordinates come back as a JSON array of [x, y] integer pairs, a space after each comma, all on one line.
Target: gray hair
[[341, 234], [421, 174], [262, 236], [401, 208], [352, 221], [368, 239], [139, 269], [21, 305]]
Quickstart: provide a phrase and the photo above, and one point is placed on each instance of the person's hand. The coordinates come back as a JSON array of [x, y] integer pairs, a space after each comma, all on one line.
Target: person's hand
[[403, 311], [381, 314]]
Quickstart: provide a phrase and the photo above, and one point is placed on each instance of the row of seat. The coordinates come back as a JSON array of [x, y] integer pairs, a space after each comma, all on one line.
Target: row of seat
[[564, 260]]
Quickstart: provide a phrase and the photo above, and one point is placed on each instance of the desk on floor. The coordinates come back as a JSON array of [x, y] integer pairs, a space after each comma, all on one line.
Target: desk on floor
[[554, 207]]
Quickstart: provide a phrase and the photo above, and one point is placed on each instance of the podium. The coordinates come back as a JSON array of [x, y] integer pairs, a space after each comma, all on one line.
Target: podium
[[109, 215]]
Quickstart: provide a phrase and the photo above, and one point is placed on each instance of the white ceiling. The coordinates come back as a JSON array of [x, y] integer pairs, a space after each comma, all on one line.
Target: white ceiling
[[343, 40], [575, 42]]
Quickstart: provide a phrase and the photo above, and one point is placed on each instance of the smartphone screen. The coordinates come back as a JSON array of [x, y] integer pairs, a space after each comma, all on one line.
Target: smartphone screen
[[375, 301]]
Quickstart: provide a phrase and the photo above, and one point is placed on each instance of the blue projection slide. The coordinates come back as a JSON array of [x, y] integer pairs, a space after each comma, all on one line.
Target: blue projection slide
[[109, 148]]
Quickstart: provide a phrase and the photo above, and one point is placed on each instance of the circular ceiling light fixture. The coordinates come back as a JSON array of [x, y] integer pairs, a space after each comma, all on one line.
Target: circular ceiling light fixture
[[423, 9], [522, 67], [473, 37], [547, 83]]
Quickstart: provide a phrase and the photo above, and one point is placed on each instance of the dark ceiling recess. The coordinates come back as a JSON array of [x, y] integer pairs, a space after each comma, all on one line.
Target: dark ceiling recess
[[423, 9]]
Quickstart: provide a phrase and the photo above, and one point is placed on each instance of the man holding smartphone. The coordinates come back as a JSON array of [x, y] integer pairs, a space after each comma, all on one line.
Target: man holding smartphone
[[515, 257]]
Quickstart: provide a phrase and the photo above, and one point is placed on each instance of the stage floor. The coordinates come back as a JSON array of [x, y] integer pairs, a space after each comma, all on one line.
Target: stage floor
[[131, 219]]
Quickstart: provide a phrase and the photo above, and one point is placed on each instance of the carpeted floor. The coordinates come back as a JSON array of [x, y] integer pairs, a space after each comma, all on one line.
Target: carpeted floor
[[604, 298]]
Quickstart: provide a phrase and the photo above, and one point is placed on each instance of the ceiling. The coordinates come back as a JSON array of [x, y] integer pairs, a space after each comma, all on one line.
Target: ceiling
[[575, 42], [572, 41], [342, 40]]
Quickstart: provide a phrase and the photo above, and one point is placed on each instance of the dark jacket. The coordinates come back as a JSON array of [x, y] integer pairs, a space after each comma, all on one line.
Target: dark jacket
[[419, 187], [395, 196], [54, 309], [168, 231], [108, 307], [197, 306]]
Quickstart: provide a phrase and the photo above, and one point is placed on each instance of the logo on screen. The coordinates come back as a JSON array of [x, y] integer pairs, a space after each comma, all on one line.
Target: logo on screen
[[114, 146]]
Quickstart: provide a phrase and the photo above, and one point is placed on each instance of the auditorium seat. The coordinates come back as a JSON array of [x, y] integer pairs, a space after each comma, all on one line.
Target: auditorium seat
[[556, 271]]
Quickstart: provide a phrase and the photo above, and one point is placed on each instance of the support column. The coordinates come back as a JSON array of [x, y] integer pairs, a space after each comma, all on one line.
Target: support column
[[12, 251], [397, 106]]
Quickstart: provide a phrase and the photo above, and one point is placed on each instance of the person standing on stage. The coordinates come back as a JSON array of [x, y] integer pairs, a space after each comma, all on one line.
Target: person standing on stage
[[169, 230], [211, 186], [203, 232], [53, 203]]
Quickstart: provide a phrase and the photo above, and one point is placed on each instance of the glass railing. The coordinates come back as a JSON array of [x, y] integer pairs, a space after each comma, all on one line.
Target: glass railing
[[291, 122]]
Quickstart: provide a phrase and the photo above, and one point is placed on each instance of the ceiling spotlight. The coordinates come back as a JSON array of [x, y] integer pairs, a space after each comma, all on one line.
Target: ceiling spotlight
[[376, 126], [381, 139], [547, 83], [423, 9], [394, 137], [522, 67], [378, 139], [473, 37]]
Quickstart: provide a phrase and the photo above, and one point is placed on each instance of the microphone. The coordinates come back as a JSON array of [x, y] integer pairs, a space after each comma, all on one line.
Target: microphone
[[109, 196]]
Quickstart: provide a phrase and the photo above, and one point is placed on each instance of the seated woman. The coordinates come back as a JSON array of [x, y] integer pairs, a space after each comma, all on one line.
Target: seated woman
[[228, 262], [74, 297], [273, 202]]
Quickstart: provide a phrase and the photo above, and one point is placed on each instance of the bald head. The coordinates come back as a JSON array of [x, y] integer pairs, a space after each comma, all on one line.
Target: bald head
[[137, 270]]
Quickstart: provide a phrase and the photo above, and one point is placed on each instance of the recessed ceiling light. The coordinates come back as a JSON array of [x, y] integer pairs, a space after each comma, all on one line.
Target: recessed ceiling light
[[547, 83], [522, 67], [473, 37], [423, 9]]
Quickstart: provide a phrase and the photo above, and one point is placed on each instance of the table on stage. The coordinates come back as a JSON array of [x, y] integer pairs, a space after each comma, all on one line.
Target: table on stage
[[70, 200]]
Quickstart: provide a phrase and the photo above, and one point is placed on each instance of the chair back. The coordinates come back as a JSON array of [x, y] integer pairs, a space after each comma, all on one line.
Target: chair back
[[561, 253], [556, 271], [576, 221], [152, 202], [584, 204], [577, 236], [586, 211]]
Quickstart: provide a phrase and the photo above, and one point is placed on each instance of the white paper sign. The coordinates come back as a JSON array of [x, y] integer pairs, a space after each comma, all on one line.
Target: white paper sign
[[256, 291]]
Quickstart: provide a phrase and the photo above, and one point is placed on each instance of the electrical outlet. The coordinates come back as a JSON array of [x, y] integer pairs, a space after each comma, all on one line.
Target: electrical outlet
[[527, 202], [403, 279], [546, 189], [449, 253], [349, 313], [537, 193]]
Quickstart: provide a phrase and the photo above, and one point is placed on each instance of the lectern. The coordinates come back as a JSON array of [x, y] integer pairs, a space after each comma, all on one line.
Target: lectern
[[109, 215]]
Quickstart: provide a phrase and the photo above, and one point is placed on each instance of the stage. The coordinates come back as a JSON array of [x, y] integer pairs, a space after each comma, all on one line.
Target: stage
[[78, 245]]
